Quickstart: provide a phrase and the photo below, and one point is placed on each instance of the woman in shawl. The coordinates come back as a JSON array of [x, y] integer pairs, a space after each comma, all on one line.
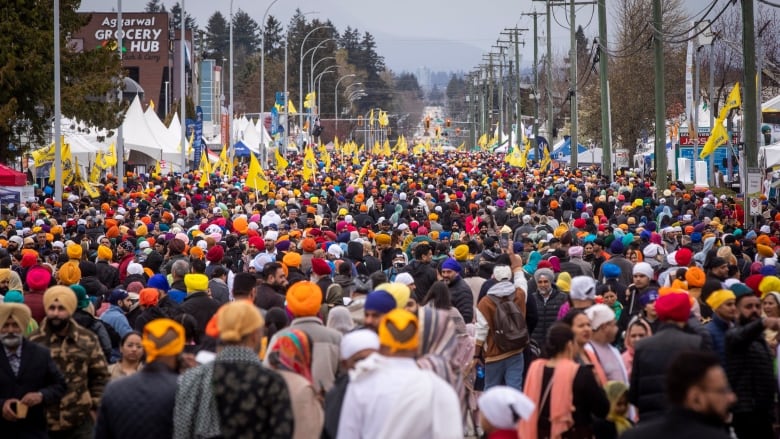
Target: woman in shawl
[[290, 356], [557, 384], [638, 328], [445, 347]]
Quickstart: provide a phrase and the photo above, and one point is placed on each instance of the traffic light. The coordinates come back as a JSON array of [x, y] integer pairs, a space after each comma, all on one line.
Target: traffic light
[[427, 122], [360, 121], [448, 123], [457, 131]]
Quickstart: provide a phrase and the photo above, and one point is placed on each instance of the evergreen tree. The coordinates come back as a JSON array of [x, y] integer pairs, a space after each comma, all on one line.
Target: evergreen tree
[[246, 36], [189, 21], [274, 38], [155, 6], [217, 37], [90, 79]]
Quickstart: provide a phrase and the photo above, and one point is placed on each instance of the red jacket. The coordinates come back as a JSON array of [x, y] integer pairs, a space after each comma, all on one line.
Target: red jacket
[[123, 267]]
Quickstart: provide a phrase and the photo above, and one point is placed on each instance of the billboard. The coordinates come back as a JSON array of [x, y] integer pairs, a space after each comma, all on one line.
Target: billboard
[[145, 47]]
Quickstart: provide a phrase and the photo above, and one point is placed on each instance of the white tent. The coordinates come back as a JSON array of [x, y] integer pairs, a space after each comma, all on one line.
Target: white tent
[[251, 138], [590, 157], [139, 137], [265, 138], [164, 137], [771, 154]]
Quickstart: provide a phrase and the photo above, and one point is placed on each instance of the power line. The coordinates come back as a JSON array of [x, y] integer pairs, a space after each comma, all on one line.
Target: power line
[[768, 3]]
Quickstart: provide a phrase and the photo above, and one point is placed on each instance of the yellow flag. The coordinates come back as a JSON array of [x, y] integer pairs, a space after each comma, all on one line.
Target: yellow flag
[[324, 156], [224, 162], [91, 191], [43, 155], [362, 174], [291, 108], [546, 161], [526, 150], [255, 178], [371, 117], [733, 102], [205, 168], [189, 146], [310, 100], [382, 119], [151, 104], [109, 157], [309, 164], [94, 173], [718, 137], [386, 149], [483, 140], [281, 162], [67, 165], [157, 169]]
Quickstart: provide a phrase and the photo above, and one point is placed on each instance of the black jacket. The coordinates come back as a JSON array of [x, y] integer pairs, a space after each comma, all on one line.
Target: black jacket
[[679, 423], [200, 306], [266, 297], [37, 373], [152, 394], [149, 314], [108, 275], [98, 327], [424, 276], [462, 298], [652, 356], [547, 312], [749, 365]]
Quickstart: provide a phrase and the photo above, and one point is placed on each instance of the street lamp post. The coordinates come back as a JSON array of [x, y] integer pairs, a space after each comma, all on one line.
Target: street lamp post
[[319, 83], [312, 64], [262, 61], [336, 99], [183, 78], [230, 107], [300, 73]]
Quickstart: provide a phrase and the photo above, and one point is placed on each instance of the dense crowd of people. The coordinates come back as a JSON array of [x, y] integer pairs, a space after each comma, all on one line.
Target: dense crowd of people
[[444, 296]]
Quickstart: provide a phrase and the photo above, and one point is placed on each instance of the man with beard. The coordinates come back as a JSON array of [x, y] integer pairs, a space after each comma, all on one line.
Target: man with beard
[[460, 292], [272, 288], [697, 388], [269, 244], [749, 365], [41, 383], [126, 253], [114, 316], [78, 356], [548, 302]]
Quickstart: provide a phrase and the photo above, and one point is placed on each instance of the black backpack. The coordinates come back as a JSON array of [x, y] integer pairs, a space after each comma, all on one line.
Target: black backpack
[[510, 332]]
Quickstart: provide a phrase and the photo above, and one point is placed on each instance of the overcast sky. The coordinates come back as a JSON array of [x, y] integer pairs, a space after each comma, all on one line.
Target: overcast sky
[[447, 35]]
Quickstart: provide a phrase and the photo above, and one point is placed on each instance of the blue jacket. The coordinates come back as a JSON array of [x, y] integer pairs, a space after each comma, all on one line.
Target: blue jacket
[[115, 317], [717, 328]]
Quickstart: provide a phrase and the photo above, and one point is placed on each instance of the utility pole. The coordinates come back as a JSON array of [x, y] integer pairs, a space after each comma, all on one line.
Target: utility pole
[[750, 121], [575, 150], [518, 93], [549, 80], [711, 92], [535, 16], [660, 102], [606, 126]]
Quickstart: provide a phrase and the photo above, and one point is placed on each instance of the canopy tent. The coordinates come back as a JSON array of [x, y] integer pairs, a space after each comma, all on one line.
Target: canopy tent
[[563, 151], [164, 136], [140, 137], [251, 138], [770, 154], [265, 138], [241, 150], [11, 177], [771, 106]]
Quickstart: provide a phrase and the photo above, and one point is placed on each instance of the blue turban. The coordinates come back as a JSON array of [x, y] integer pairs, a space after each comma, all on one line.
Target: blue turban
[[616, 247], [451, 264], [379, 301], [158, 281], [648, 297], [611, 270]]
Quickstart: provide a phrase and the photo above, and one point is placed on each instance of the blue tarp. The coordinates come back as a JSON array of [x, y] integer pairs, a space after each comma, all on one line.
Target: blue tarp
[[240, 149], [565, 149]]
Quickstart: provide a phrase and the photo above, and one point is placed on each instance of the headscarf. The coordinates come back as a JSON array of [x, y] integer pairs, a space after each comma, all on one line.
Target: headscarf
[[15, 282], [614, 390], [292, 352], [162, 338], [437, 342]]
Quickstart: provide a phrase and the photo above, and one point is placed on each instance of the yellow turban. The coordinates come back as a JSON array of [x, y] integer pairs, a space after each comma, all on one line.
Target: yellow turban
[[768, 284], [196, 282], [398, 331], [564, 282], [461, 252], [238, 319], [162, 338], [74, 251], [304, 299], [105, 253], [69, 273], [292, 259], [5, 274], [17, 311], [719, 297], [382, 239], [399, 291], [141, 230], [62, 295]]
